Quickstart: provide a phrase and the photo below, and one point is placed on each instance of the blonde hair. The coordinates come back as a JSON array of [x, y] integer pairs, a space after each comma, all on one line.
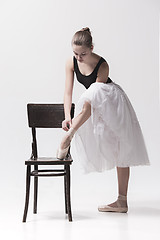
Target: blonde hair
[[83, 38]]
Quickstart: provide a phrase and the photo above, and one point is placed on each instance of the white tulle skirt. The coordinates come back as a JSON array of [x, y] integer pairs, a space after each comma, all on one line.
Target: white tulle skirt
[[112, 136]]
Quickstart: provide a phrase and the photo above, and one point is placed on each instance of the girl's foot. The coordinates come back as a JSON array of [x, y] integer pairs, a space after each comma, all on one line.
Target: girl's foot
[[65, 144], [119, 206]]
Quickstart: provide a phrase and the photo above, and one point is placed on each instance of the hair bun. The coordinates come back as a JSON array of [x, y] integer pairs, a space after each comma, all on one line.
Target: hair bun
[[86, 29], [83, 37]]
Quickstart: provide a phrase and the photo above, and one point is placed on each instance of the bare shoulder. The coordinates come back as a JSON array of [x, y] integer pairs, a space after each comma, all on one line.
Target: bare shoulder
[[103, 72], [70, 64], [104, 67]]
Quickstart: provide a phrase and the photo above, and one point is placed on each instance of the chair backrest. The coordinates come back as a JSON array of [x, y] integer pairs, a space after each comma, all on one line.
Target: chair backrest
[[45, 116]]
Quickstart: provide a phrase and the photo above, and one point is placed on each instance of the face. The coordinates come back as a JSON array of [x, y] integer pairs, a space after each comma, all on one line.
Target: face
[[82, 53]]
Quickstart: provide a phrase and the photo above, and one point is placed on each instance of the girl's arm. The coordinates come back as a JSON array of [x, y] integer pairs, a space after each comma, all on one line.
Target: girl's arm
[[68, 94]]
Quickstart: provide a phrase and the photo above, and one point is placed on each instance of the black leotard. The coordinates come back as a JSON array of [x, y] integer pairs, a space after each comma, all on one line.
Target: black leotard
[[91, 78]]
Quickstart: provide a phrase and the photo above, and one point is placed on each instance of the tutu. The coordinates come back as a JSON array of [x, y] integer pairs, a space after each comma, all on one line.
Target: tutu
[[112, 136]]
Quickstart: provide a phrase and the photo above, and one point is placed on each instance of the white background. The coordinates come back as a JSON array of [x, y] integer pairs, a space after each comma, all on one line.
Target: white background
[[35, 41]]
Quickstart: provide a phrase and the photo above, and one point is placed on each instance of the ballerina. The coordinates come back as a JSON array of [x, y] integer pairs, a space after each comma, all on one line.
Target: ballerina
[[106, 129]]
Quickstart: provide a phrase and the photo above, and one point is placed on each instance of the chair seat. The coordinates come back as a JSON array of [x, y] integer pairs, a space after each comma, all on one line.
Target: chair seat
[[49, 161]]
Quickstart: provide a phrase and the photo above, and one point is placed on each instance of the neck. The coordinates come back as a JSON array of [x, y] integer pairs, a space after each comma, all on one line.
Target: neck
[[90, 59]]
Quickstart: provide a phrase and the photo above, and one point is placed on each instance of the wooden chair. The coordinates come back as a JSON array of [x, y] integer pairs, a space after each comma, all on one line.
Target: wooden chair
[[46, 116]]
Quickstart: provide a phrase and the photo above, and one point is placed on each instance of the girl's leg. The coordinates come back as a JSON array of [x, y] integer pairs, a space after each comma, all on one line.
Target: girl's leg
[[76, 123], [123, 178], [121, 204], [82, 116]]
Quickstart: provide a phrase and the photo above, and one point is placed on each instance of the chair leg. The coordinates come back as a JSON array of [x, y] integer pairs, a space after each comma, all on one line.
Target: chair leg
[[35, 191], [65, 194], [68, 193], [28, 177]]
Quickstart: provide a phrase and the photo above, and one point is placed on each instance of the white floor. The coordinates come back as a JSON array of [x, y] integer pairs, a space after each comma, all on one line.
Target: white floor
[[141, 222]]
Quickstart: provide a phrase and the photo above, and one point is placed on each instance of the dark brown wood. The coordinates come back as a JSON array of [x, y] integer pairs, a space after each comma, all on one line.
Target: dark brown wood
[[46, 116], [35, 190], [48, 170], [48, 161], [65, 191], [34, 145], [27, 193], [47, 174], [68, 193]]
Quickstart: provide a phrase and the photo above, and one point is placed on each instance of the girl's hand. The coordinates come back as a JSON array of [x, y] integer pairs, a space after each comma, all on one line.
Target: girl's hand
[[66, 124]]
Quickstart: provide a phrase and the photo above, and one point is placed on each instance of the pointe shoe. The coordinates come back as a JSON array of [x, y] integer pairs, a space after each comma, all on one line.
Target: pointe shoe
[[61, 153], [118, 209]]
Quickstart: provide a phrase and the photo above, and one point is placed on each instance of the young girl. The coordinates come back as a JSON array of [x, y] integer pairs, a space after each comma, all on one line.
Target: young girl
[[107, 132]]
